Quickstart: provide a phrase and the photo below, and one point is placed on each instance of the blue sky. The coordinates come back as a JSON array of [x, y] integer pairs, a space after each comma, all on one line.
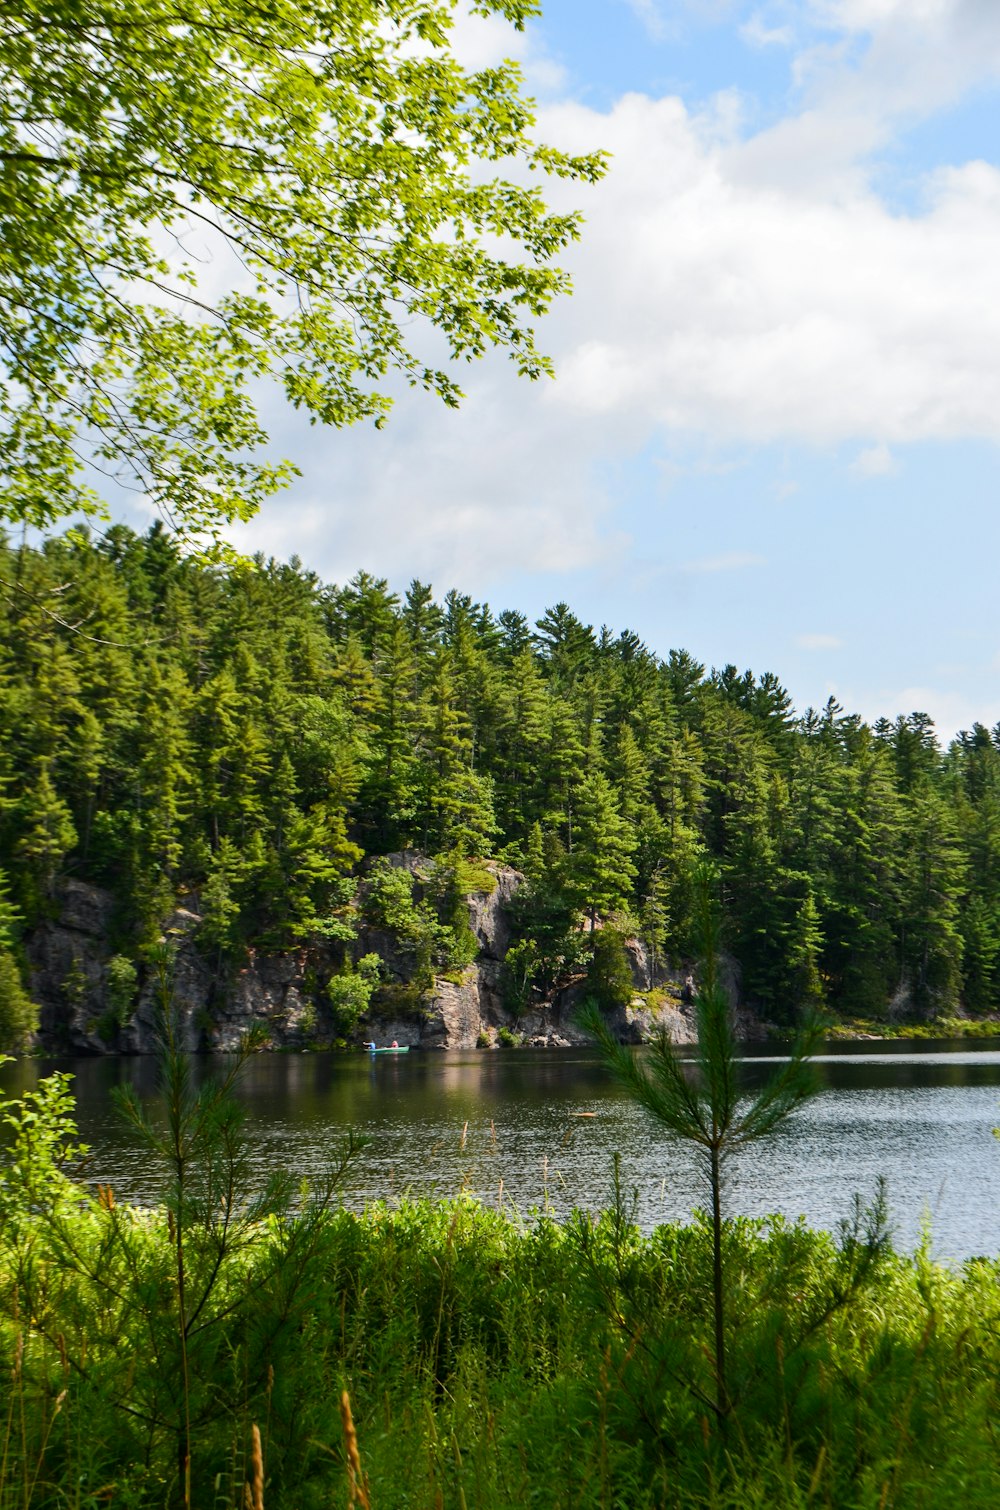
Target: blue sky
[[774, 435]]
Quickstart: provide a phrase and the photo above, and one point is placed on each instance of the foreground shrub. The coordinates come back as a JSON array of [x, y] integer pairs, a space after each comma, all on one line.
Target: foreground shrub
[[210, 1352], [541, 1364]]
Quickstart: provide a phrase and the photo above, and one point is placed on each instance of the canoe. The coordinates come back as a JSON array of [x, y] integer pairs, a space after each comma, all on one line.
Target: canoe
[[404, 1048]]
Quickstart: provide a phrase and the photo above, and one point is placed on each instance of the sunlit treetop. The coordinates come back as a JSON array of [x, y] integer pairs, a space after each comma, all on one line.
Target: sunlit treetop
[[198, 194]]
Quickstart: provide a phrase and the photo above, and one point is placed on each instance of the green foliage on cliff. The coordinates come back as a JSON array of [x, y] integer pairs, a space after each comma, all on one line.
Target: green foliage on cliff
[[18, 1013], [609, 979], [260, 741], [350, 992]]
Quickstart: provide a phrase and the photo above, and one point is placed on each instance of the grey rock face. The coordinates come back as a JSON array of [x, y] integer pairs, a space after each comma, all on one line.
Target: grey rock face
[[66, 961], [454, 1019], [283, 996], [489, 914], [85, 909]]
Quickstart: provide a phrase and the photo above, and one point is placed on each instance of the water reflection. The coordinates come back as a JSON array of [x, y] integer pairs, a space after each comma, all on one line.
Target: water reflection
[[527, 1129]]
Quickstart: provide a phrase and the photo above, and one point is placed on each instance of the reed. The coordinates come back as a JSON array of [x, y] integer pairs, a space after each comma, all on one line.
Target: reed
[[253, 1489], [357, 1486]]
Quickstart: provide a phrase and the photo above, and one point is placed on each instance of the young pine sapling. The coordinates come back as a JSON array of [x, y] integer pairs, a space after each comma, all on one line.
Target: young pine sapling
[[699, 1099]]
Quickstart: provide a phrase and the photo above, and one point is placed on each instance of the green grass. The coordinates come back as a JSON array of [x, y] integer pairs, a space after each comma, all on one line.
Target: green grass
[[938, 1027], [495, 1363]]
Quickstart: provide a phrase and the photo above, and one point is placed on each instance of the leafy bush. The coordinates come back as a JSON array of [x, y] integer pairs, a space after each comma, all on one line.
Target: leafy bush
[[434, 929], [120, 981], [388, 900], [518, 973], [350, 993], [18, 1013], [75, 985], [609, 978]]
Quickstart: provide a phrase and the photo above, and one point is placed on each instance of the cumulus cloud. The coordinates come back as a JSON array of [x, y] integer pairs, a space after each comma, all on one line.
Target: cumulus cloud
[[916, 56], [462, 498], [818, 642], [950, 710], [715, 301], [650, 13], [730, 288], [869, 15], [727, 561], [756, 32], [874, 461]]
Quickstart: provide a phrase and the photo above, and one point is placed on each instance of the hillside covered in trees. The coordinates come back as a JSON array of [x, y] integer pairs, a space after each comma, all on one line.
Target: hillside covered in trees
[[257, 738]]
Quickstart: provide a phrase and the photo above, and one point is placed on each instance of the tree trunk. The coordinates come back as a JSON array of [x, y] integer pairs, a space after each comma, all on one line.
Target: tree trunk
[[718, 1293]]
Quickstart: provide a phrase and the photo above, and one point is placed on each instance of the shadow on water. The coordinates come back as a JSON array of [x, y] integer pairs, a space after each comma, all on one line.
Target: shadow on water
[[527, 1128]]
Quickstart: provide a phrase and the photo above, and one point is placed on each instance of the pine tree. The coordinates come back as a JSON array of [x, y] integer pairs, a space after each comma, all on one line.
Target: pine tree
[[567, 646], [445, 750], [865, 878], [423, 618], [11, 918], [391, 791], [515, 634], [561, 763], [18, 1013], [980, 928], [709, 1109], [219, 897], [654, 921], [467, 816], [931, 883], [46, 837], [164, 774], [352, 671], [803, 951], [602, 871], [522, 737]]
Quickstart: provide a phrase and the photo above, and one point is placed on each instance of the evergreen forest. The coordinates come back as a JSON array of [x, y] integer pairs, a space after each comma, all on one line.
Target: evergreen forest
[[256, 737]]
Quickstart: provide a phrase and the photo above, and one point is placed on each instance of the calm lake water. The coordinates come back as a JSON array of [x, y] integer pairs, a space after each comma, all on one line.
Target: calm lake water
[[525, 1128]]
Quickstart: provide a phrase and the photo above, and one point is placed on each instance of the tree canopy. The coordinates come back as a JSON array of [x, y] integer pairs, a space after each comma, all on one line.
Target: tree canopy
[[197, 196], [258, 739]]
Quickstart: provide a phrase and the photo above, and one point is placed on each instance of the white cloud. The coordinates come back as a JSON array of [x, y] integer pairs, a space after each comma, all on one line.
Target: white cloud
[[736, 291], [875, 461], [650, 14], [461, 497], [866, 69], [709, 300], [871, 15], [921, 55], [951, 711], [727, 561], [484, 41], [818, 642], [757, 33]]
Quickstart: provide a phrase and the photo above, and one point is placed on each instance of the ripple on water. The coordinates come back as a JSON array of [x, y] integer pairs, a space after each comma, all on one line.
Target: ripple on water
[[508, 1127]]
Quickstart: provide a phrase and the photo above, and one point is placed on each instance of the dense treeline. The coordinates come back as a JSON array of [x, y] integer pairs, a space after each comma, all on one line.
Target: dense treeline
[[255, 736]]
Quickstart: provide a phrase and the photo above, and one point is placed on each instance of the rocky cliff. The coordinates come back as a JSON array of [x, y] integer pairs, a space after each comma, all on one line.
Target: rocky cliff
[[284, 998]]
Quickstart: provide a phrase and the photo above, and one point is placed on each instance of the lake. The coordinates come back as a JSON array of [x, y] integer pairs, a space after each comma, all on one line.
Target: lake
[[532, 1128]]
